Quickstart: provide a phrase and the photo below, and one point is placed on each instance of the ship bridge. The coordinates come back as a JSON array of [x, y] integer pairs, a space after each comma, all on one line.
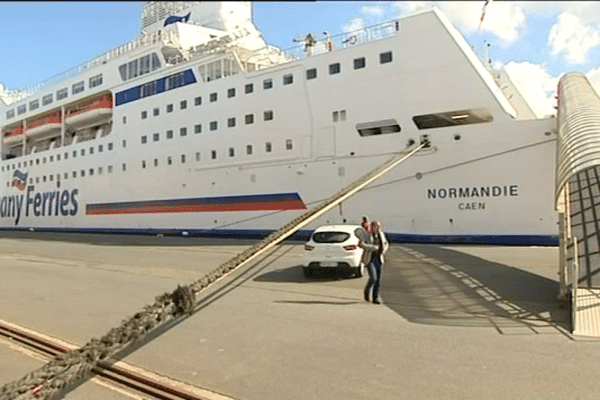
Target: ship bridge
[[577, 199]]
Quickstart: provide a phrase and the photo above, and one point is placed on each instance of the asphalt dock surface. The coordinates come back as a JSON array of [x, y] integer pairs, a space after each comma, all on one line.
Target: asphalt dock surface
[[457, 322]]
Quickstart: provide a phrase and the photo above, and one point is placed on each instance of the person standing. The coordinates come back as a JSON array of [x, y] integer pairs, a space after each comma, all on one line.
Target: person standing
[[379, 247]]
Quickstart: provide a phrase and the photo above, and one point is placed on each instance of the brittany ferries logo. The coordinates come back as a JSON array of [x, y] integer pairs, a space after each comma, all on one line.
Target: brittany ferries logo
[[19, 180], [37, 204]]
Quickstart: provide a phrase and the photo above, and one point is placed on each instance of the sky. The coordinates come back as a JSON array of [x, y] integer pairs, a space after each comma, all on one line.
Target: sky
[[536, 42]]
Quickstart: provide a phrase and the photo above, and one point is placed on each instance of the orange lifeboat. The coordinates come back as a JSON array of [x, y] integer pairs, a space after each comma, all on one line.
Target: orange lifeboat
[[45, 125], [13, 135], [89, 113]]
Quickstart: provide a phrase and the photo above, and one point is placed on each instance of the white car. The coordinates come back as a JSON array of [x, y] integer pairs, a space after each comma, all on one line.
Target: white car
[[333, 246]]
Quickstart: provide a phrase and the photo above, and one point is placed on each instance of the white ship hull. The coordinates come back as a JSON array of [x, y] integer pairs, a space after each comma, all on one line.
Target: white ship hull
[[488, 182]]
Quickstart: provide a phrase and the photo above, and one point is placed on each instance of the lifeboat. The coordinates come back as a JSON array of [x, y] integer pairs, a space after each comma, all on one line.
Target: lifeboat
[[14, 135], [45, 125], [89, 113]]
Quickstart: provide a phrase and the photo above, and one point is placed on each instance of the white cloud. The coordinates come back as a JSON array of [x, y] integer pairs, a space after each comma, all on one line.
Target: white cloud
[[353, 25], [536, 85], [375, 10], [570, 35]]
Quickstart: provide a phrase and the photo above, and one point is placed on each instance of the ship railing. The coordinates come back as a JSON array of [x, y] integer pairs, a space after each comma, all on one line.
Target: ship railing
[[267, 57], [142, 41]]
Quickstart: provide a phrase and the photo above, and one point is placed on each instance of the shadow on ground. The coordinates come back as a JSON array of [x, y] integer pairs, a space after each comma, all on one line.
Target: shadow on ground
[[295, 274], [441, 286]]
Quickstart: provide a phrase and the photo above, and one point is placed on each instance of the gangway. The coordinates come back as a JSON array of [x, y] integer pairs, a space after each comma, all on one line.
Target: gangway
[[577, 199], [65, 370]]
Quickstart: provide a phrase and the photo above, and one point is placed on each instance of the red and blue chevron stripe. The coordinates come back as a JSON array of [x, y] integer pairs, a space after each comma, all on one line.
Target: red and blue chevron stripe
[[257, 202]]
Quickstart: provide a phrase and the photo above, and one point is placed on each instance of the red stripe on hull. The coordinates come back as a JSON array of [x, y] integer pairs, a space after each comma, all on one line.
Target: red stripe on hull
[[271, 206]]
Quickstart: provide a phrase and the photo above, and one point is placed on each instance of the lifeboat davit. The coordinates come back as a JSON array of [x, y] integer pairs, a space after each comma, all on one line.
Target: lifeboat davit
[[89, 113], [14, 135], [46, 125]]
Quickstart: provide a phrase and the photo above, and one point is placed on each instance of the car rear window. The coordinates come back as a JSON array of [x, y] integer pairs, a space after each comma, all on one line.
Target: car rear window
[[330, 237]]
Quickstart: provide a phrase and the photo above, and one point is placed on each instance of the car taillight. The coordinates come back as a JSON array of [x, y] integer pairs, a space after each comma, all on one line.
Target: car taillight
[[308, 247], [351, 247]]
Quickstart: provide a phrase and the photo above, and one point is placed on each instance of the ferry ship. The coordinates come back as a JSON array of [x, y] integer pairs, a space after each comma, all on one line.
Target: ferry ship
[[199, 127]]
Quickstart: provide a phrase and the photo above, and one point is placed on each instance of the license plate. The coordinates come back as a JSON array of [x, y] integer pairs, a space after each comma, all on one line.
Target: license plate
[[328, 264]]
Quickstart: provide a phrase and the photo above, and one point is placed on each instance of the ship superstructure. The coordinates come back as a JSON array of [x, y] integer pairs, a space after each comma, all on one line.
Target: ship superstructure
[[200, 127]]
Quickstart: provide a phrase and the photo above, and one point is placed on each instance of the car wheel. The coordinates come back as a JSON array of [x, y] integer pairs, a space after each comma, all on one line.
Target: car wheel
[[308, 272], [360, 271]]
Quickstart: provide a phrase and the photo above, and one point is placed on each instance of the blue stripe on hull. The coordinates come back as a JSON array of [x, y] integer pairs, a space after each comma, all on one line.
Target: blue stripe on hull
[[498, 240]]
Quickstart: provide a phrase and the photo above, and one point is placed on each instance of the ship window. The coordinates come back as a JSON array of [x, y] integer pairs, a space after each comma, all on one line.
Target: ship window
[[381, 127], [91, 171], [155, 137], [58, 157], [100, 148], [66, 175], [176, 80], [51, 177], [453, 118], [110, 146], [268, 147], [169, 160], [169, 108], [66, 156], [143, 164], [182, 131], [231, 152], [198, 128], [288, 79], [213, 154], [231, 92], [155, 111], [144, 114], [132, 67], [82, 173], [343, 115], [249, 88], [95, 81], [183, 158], [34, 105], [22, 109], [268, 115], [249, 119], [213, 125], [336, 115], [10, 114], [62, 94], [100, 169], [51, 160], [156, 162], [44, 178], [213, 97], [385, 57], [47, 99], [288, 144], [268, 84], [249, 149], [74, 153], [198, 101], [91, 151], [183, 104], [77, 87], [43, 161], [144, 139], [124, 167], [124, 143], [169, 134], [334, 68], [359, 63], [197, 156], [231, 122], [82, 152], [109, 169], [311, 73], [74, 174]]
